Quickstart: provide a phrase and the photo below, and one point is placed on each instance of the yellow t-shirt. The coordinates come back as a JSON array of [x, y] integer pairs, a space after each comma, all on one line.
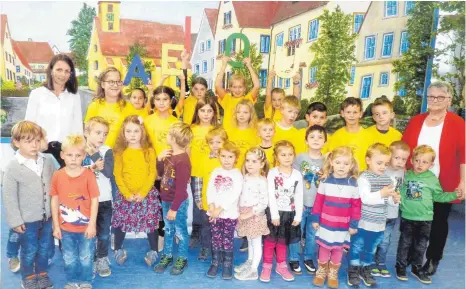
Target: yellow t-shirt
[[208, 166], [228, 104], [244, 140], [277, 115], [359, 142], [290, 134], [303, 148], [142, 112], [199, 149], [111, 112], [133, 173], [384, 138], [188, 109], [269, 155], [157, 128]]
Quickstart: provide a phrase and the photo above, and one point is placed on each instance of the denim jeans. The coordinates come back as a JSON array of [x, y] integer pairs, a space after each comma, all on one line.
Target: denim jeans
[[35, 247], [12, 246], [206, 235], [414, 236], [310, 246], [364, 244], [178, 227], [78, 254], [382, 248], [104, 220]]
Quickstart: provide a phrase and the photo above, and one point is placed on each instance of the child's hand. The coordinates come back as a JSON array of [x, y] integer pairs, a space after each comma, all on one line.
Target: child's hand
[[90, 232], [130, 198], [352, 231], [99, 165], [459, 194], [57, 233], [20, 229], [181, 77], [171, 215], [185, 56], [272, 74], [149, 85], [295, 223], [212, 220], [199, 205], [165, 76], [397, 198], [297, 77], [138, 198], [387, 191], [225, 60], [315, 226], [247, 61], [276, 222], [164, 154]]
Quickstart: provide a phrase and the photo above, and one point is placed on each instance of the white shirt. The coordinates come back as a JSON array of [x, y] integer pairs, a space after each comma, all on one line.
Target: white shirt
[[254, 194], [59, 116], [223, 190], [431, 136], [33, 165]]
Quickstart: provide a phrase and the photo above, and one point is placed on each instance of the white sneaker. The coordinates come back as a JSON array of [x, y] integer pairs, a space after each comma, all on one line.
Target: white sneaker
[[244, 266]]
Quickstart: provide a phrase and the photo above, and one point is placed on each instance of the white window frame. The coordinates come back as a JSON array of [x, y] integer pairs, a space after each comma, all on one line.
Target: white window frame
[[375, 47], [380, 78], [383, 45], [385, 6], [362, 85], [401, 41], [309, 39]]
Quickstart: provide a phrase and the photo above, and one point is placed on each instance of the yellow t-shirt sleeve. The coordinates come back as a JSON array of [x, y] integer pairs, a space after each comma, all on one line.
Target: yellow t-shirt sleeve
[[268, 111], [91, 111], [225, 100], [149, 181]]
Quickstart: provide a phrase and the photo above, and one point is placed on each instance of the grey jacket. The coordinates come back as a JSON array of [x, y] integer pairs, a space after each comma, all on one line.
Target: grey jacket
[[25, 194]]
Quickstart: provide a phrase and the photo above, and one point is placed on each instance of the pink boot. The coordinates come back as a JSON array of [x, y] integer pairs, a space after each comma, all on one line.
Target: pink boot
[[266, 271], [282, 270]]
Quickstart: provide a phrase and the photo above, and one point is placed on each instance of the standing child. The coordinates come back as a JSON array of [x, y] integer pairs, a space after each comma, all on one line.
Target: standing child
[[285, 187], [284, 129], [274, 97], [174, 167], [421, 188], [237, 87], [265, 131], [376, 190], [252, 203], [309, 164], [223, 191], [26, 184], [205, 119], [316, 114], [99, 158], [137, 206], [75, 201], [215, 139], [382, 113], [138, 99], [396, 170]]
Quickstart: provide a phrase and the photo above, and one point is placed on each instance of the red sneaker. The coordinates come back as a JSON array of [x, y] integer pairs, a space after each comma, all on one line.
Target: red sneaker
[[266, 272], [282, 270]]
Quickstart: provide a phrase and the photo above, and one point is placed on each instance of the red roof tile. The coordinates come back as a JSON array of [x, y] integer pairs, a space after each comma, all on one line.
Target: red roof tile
[[20, 54], [288, 9], [255, 14], [3, 23], [212, 18], [150, 34], [36, 52]]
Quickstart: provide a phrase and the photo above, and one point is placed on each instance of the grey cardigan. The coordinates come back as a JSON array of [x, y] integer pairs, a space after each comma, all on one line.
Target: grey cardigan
[[25, 194]]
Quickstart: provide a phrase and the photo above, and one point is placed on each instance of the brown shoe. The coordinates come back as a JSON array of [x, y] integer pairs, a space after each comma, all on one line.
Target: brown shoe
[[321, 274], [332, 281]]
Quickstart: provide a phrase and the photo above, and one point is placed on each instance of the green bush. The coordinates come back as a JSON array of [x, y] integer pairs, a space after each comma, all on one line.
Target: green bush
[[15, 92]]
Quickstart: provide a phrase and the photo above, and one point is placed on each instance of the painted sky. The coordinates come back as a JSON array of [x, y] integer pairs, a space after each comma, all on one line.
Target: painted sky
[[49, 21]]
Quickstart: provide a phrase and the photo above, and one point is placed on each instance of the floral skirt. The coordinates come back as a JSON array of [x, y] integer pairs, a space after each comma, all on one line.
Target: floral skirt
[[285, 232], [253, 227], [137, 217]]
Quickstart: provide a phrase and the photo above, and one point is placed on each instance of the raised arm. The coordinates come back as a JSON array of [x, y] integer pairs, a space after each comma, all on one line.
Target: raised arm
[[255, 79], [221, 92], [268, 90], [180, 105], [296, 85]]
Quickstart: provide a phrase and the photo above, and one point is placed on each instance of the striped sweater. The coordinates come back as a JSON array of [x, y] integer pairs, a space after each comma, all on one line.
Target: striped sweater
[[337, 208], [374, 207]]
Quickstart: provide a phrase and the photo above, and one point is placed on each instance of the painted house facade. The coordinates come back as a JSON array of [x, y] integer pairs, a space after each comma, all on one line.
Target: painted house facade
[[8, 59], [38, 56], [23, 69]]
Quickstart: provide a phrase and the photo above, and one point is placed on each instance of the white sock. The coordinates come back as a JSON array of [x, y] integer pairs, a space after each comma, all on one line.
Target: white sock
[[257, 245], [250, 249]]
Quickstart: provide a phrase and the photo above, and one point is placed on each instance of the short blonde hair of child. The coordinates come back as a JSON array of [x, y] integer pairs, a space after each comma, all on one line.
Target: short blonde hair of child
[[181, 133], [378, 149], [74, 140], [292, 101], [382, 101], [253, 119], [262, 158], [95, 120], [265, 121], [338, 152], [400, 145], [232, 148], [216, 131], [25, 129], [236, 77], [278, 146], [424, 149]]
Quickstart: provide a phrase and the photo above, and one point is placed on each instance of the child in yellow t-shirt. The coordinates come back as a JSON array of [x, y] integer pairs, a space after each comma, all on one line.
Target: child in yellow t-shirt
[[284, 129], [265, 131], [382, 113], [237, 88], [243, 133], [274, 97], [215, 139], [204, 120], [109, 103], [316, 114], [352, 135], [138, 99]]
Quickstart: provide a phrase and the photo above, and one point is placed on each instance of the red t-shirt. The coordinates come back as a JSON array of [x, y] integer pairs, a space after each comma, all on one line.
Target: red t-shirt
[[74, 196]]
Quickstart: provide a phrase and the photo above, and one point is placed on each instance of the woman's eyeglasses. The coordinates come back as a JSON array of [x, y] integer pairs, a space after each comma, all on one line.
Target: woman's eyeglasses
[[113, 82], [437, 98]]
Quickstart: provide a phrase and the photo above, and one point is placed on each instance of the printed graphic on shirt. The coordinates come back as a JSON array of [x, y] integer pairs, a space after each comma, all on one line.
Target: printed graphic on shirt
[[72, 216], [223, 183], [168, 179], [399, 182], [87, 163], [200, 145], [309, 173], [162, 137], [284, 196], [414, 190]]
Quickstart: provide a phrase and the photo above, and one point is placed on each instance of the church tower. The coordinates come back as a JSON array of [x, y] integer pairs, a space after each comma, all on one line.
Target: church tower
[[109, 15]]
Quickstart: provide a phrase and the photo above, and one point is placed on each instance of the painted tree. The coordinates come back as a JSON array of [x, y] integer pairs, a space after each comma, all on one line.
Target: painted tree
[[256, 61], [334, 56], [138, 49], [80, 33]]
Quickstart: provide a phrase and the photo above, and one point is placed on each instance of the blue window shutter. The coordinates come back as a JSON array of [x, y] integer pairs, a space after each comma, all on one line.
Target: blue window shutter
[[352, 74], [404, 45], [391, 8], [287, 83], [409, 6], [366, 87], [387, 45]]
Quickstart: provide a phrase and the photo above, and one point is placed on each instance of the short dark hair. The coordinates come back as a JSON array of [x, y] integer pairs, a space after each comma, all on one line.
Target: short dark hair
[[159, 90], [199, 80], [316, 128], [141, 90], [351, 101], [317, 105], [72, 84]]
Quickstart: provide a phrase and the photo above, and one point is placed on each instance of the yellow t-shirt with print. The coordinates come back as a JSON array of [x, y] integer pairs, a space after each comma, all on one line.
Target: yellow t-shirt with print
[[114, 113], [269, 155], [384, 138], [268, 111], [228, 104], [290, 134], [359, 142], [157, 128], [208, 166], [304, 148], [199, 149], [244, 139]]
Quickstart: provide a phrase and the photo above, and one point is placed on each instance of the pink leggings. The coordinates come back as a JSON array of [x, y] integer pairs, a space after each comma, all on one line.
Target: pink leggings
[[334, 255]]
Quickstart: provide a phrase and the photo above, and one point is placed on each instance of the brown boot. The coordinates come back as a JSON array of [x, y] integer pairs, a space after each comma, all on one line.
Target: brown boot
[[332, 281], [321, 274]]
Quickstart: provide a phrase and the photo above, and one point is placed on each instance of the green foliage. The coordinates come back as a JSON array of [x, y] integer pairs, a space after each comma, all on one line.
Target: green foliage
[[398, 105], [8, 85], [80, 33], [334, 56], [16, 92], [138, 49], [256, 61], [83, 80]]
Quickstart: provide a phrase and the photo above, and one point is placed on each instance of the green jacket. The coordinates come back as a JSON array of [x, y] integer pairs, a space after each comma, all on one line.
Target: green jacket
[[418, 194]]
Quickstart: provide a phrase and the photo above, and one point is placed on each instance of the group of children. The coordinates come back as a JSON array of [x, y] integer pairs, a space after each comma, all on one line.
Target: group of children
[[266, 180]]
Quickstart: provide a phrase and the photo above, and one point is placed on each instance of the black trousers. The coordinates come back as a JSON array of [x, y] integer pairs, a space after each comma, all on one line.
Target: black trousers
[[439, 231], [104, 220], [412, 245], [152, 237]]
